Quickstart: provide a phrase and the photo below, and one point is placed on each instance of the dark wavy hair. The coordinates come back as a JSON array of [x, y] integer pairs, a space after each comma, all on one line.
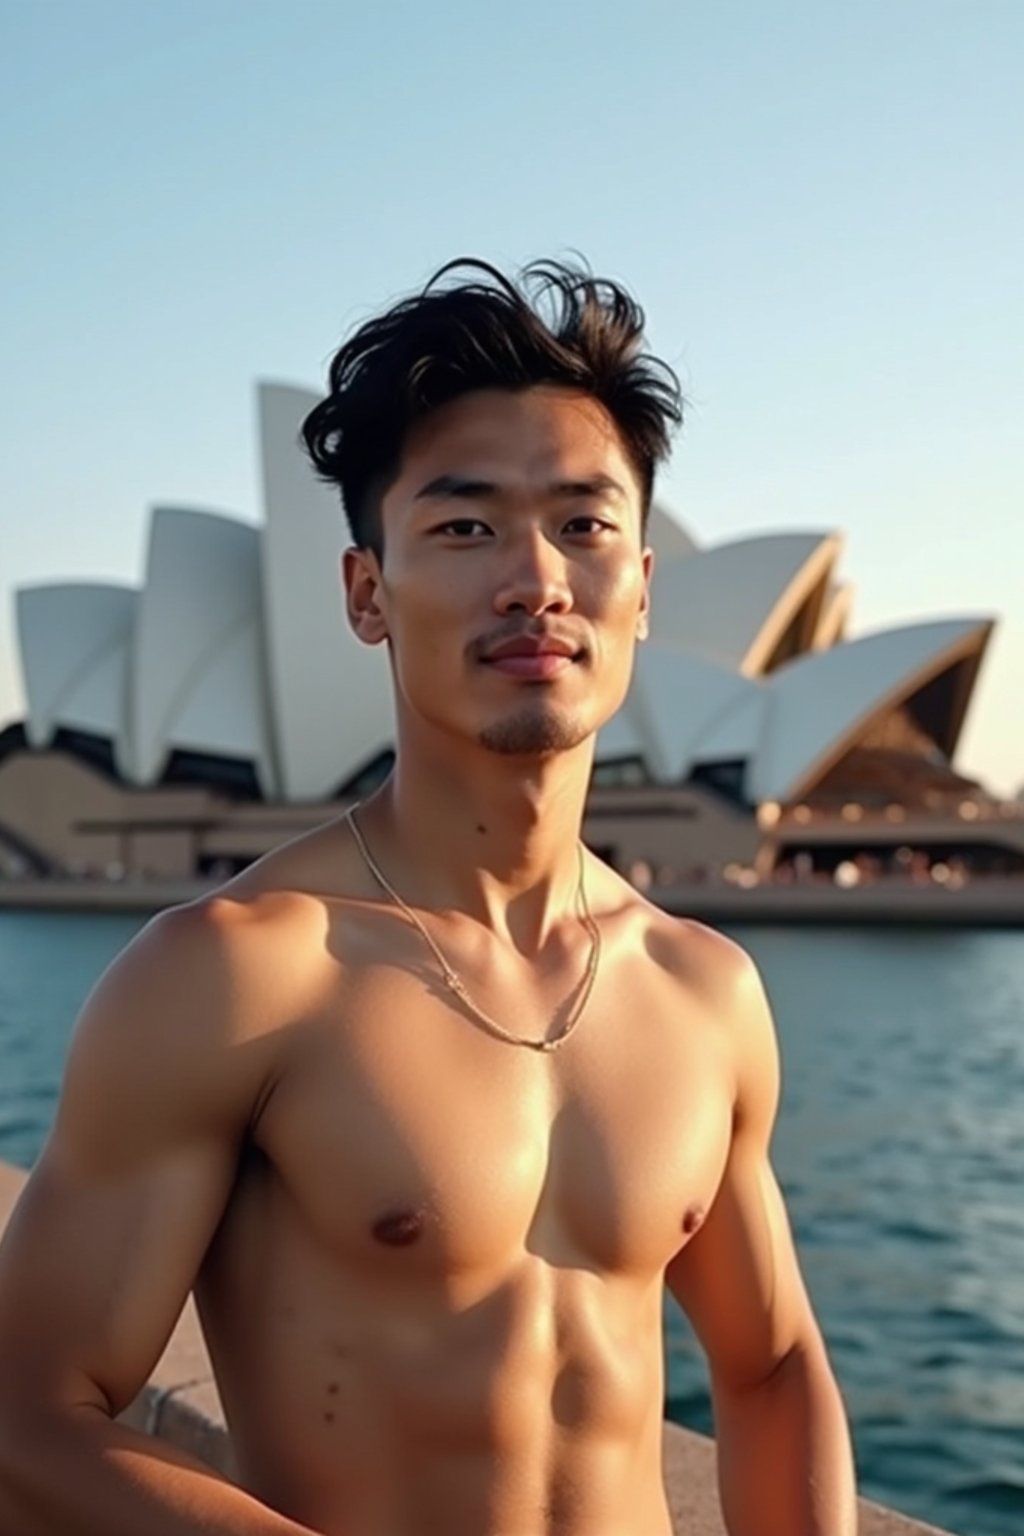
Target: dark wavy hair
[[558, 325]]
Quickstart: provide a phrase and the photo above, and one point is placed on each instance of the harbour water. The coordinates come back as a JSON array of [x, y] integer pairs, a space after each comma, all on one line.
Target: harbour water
[[900, 1148]]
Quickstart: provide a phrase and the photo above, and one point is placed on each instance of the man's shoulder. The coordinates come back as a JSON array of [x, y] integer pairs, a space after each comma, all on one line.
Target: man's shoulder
[[279, 896], [227, 928], [690, 951], [239, 961], [719, 985]]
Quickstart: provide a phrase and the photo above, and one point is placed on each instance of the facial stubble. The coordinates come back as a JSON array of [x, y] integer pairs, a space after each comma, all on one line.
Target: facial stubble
[[539, 730]]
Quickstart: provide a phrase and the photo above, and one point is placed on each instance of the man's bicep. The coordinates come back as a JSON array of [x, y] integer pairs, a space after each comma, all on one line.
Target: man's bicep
[[112, 1226], [738, 1280], [94, 1272]]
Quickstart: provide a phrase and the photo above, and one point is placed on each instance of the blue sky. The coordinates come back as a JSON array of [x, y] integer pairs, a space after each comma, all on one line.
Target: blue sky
[[820, 205]]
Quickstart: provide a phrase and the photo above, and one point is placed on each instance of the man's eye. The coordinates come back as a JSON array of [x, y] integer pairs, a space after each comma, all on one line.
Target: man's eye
[[586, 523], [464, 528]]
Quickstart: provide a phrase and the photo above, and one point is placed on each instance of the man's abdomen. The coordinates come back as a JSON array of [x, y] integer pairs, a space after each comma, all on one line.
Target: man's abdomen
[[533, 1411]]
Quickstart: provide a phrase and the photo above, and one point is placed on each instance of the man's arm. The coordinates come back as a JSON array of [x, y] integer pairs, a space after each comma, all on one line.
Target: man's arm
[[785, 1465], [110, 1231]]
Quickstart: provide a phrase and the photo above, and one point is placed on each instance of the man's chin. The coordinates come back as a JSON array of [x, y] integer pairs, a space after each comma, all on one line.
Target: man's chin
[[534, 733]]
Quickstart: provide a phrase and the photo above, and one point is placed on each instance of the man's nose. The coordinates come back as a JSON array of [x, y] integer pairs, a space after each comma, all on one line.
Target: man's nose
[[534, 579]]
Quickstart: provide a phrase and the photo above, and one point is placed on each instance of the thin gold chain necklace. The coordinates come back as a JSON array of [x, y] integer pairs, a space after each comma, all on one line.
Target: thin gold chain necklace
[[454, 981]]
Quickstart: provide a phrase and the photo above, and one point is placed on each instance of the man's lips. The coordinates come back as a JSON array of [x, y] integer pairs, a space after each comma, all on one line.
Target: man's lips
[[532, 658], [532, 664]]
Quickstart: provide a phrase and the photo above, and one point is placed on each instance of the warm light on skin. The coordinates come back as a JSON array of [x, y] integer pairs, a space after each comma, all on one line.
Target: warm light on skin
[[511, 513]]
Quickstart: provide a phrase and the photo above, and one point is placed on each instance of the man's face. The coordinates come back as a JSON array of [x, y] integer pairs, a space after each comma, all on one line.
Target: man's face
[[514, 582]]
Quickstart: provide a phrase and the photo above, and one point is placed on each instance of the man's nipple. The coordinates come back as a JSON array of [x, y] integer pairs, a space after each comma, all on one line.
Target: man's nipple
[[693, 1218], [398, 1228]]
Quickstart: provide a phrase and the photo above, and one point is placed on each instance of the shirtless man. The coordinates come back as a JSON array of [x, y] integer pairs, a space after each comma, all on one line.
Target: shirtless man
[[429, 1255]]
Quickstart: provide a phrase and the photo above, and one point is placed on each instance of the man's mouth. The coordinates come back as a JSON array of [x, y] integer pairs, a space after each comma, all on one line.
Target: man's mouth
[[534, 658], [538, 666]]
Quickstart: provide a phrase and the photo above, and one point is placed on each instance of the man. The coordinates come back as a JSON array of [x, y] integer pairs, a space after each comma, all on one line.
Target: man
[[429, 1103]]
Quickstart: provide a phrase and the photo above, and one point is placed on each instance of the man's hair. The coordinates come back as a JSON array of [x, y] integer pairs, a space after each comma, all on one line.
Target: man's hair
[[558, 325]]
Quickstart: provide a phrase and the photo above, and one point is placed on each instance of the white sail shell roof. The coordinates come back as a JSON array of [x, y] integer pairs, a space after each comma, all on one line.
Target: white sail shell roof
[[224, 713], [676, 698], [819, 703], [733, 602], [835, 616], [330, 694], [75, 641], [197, 679], [666, 534], [735, 734], [622, 737]]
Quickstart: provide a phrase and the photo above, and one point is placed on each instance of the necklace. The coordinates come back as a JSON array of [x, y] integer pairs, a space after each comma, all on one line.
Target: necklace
[[454, 981]]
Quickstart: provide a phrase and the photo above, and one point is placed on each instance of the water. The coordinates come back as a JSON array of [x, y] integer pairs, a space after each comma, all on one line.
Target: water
[[900, 1149]]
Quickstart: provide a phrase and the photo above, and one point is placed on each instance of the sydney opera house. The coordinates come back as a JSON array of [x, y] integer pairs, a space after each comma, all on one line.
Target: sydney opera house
[[183, 727]]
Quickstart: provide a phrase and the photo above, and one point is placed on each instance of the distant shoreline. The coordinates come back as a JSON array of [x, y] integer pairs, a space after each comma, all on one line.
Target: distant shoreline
[[982, 903]]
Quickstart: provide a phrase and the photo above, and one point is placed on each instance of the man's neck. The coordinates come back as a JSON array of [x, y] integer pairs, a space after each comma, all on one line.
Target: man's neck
[[494, 837]]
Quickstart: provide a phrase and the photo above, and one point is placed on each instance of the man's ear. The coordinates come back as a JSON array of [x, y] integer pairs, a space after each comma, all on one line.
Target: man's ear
[[643, 622], [363, 583]]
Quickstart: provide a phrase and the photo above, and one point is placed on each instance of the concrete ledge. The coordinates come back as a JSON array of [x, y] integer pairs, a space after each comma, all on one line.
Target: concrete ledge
[[180, 1403]]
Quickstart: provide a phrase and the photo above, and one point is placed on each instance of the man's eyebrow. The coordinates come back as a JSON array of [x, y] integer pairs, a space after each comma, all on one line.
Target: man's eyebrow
[[462, 485], [590, 485], [454, 485]]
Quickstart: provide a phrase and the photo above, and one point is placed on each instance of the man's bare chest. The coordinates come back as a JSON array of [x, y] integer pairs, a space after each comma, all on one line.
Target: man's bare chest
[[409, 1140]]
